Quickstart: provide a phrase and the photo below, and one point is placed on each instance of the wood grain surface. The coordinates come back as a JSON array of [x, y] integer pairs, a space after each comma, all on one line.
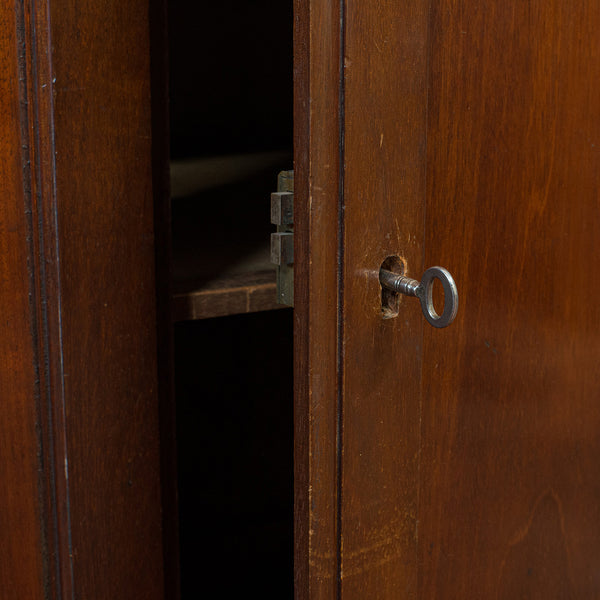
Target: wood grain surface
[[23, 570], [384, 184], [317, 137], [80, 507], [235, 295], [466, 457], [105, 215], [510, 486]]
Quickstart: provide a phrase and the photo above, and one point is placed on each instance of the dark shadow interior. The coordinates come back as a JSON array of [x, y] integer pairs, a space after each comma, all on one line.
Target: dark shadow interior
[[234, 415], [230, 70]]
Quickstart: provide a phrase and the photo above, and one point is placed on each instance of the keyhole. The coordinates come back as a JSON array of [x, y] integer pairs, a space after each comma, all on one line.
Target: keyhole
[[390, 301]]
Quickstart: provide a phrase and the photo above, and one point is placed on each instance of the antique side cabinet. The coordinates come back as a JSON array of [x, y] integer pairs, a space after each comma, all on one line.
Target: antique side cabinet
[[428, 463]]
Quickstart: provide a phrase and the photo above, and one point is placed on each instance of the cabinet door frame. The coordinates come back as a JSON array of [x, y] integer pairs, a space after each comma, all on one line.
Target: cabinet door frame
[[318, 110], [79, 433], [433, 462]]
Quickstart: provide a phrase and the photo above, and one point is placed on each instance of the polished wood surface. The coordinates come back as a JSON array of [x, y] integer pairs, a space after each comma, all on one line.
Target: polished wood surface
[[510, 485], [317, 190], [22, 571], [465, 458], [105, 214], [384, 184], [81, 500]]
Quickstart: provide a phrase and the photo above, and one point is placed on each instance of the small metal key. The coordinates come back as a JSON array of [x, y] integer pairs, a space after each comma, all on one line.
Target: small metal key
[[423, 290]]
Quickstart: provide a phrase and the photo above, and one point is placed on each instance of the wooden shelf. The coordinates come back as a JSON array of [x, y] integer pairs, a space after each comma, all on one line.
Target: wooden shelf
[[234, 287], [221, 235], [238, 294]]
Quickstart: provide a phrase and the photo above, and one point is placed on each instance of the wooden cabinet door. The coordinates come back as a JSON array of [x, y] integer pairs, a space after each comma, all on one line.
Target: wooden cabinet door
[[458, 462], [80, 493]]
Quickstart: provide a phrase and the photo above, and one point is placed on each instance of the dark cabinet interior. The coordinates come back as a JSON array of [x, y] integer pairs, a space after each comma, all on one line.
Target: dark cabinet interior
[[230, 105], [234, 415], [231, 133]]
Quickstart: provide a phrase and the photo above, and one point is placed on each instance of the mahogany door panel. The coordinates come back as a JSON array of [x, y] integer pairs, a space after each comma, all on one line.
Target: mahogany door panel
[[510, 488], [461, 461], [80, 507], [105, 216], [385, 119], [22, 571]]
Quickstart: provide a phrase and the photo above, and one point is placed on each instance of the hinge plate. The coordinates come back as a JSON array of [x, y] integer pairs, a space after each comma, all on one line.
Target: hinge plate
[[282, 242]]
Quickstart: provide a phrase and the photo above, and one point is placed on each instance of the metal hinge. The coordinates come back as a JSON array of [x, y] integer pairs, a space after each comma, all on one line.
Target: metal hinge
[[282, 242]]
